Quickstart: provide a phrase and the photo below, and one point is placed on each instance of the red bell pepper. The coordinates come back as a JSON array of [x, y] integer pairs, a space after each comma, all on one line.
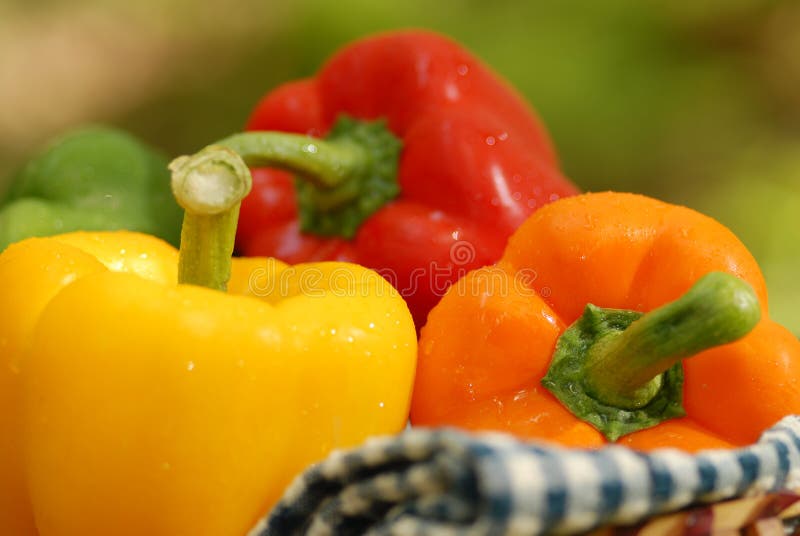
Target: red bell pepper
[[475, 162]]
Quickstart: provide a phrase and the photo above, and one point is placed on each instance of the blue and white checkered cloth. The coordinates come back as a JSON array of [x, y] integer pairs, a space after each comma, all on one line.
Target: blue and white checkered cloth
[[448, 483]]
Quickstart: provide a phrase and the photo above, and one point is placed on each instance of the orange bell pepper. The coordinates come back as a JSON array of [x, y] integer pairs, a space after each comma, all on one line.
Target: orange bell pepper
[[487, 346]]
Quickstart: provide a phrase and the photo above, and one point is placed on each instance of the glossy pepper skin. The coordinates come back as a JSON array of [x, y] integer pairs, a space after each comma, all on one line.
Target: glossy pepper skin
[[489, 343], [91, 179], [475, 163], [133, 405]]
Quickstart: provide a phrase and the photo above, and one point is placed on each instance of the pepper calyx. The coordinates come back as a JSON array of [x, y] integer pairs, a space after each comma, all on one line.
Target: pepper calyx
[[339, 210], [621, 370], [566, 378]]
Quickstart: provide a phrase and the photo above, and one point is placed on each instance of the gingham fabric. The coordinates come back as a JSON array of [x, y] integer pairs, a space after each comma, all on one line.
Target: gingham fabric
[[448, 483]]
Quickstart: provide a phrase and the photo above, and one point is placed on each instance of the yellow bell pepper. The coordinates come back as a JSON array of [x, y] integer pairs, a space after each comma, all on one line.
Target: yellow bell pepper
[[134, 405]]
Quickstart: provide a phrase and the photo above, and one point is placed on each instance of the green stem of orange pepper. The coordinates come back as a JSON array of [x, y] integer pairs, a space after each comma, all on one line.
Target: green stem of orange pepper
[[620, 370], [624, 369], [210, 186]]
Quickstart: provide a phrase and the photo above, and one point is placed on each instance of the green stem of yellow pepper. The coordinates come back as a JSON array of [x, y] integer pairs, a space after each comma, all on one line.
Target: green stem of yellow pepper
[[210, 186]]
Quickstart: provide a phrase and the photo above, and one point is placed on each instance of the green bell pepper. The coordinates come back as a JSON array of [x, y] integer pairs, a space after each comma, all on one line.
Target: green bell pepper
[[91, 179]]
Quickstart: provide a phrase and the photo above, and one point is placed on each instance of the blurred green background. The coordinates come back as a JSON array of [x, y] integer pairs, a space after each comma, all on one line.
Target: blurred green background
[[696, 102]]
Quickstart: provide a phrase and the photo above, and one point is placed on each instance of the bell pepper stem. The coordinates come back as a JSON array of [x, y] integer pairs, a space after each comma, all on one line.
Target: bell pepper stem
[[325, 163], [344, 178], [210, 186], [341, 180], [624, 368]]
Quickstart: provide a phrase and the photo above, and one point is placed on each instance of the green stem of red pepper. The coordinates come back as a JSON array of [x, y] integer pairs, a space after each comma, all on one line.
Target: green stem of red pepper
[[342, 180], [326, 163], [210, 186], [620, 370]]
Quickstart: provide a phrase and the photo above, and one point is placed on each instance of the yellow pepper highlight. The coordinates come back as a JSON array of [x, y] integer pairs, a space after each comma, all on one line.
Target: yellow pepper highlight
[[132, 405]]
